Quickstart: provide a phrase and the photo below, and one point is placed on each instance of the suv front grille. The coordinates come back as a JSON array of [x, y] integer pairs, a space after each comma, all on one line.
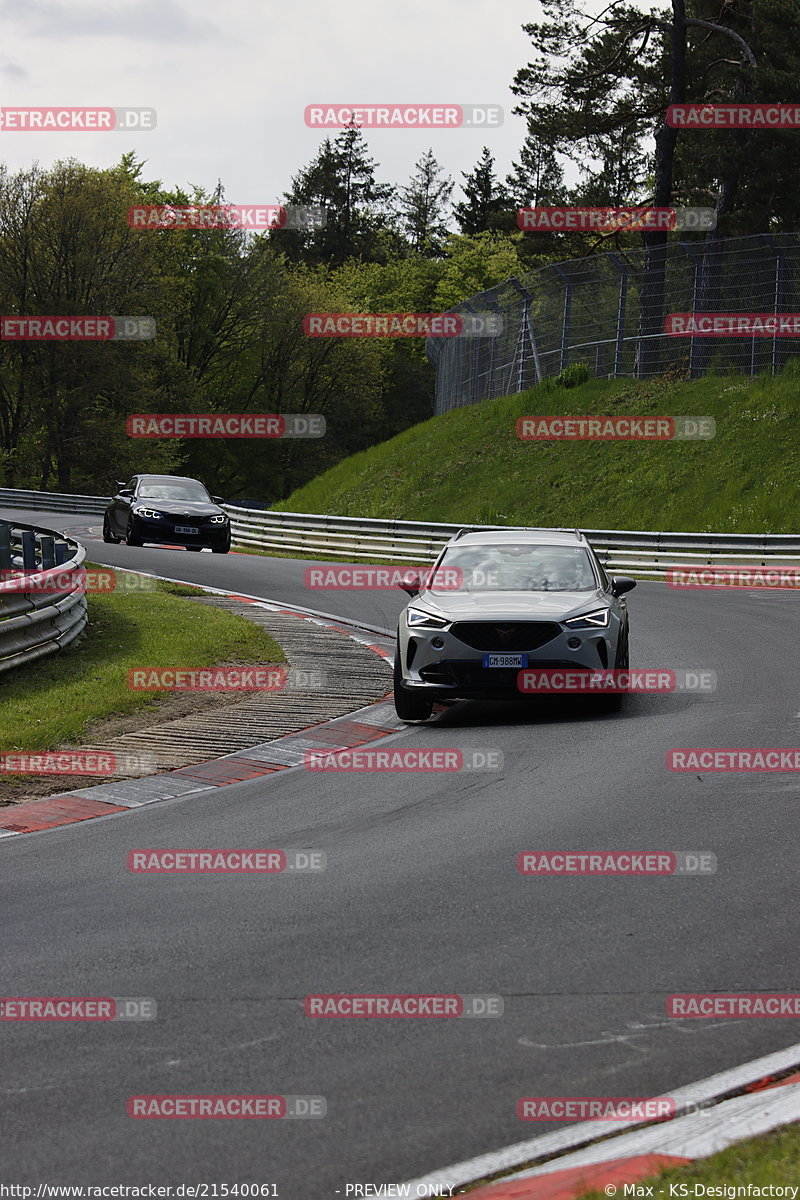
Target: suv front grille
[[517, 636]]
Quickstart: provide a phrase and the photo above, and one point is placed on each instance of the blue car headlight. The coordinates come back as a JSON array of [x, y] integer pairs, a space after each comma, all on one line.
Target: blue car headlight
[[218, 520], [149, 514]]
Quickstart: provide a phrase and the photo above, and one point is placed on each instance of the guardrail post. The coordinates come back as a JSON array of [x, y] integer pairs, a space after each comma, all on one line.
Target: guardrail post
[[5, 546], [62, 553], [28, 539], [48, 545]]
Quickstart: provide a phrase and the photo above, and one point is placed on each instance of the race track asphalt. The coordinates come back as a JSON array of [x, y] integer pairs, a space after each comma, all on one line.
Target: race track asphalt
[[421, 894]]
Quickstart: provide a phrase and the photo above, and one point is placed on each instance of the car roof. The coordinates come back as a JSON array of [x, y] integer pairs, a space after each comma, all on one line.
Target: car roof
[[534, 537], [169, 478]]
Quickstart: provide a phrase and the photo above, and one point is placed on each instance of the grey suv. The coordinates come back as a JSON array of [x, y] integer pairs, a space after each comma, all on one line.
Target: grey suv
[[499, 601]]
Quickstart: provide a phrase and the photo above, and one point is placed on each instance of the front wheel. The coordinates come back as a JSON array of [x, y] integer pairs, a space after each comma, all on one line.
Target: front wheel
[[130, 537], [408, 706], [108, 536], [613, 701], [221, 549]]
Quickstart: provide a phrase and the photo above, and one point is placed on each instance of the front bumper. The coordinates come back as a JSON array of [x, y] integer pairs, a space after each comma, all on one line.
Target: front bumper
[[163, 533], [456, 669]]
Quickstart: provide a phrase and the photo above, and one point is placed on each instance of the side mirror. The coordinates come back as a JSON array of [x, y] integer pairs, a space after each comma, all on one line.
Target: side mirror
[[218, 499], [125, 492], [411, 584], [620, 584]]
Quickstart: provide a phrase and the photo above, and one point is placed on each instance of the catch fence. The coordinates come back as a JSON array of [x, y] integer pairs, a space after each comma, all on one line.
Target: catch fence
[[608, 311]]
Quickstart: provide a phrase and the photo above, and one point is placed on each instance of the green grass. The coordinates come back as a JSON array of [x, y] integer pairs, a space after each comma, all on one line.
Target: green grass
[[771, 1159], [181, 589], [325, 556], [55, 700], [469, 466]]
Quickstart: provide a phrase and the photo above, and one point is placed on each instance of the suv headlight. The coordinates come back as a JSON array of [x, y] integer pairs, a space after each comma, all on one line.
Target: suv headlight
[[592, 620], [150, 513], [417, 618], [218, 520]]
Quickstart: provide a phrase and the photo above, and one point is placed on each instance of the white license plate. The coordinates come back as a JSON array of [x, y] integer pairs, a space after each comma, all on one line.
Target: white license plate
[[505, 660], [187, 529]]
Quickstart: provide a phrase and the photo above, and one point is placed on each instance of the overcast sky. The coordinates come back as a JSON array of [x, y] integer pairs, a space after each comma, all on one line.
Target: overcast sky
[[230, 80]]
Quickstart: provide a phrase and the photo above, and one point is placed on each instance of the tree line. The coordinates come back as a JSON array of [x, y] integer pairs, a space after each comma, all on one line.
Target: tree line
[[229, 305]]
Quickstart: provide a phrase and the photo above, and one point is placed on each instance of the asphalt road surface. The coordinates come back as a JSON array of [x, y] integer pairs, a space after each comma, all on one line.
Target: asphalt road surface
[[421, 895]]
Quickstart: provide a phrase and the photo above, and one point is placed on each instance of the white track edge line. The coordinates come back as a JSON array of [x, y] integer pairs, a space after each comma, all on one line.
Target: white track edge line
[[556, 1144]]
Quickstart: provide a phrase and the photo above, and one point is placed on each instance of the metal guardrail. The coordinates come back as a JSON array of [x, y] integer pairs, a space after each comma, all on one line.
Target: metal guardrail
[[637, 552], [60, 502], [37, 621]]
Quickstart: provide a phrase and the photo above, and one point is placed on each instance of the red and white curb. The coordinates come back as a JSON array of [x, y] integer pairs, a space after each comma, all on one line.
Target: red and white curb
[[710, 1115], [340, 733]]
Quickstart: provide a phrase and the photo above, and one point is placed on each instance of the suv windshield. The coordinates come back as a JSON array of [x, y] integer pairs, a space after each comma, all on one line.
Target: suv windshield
[[507, 567], [190, 490]]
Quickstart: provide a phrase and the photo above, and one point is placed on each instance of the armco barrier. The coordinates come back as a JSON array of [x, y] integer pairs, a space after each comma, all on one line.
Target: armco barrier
[[36, 623], [52, 501], [636, 552]]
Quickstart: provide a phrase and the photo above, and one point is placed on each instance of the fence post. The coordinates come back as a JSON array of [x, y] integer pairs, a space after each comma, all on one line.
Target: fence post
[[433, 355], [466, 306], [567, 318], [525, 327], [490, 388], [621, 311], [62, 553], [780, 276], [697, 264]]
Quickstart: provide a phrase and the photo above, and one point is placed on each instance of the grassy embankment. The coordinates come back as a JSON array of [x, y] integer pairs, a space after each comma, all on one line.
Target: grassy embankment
[[469, 466]]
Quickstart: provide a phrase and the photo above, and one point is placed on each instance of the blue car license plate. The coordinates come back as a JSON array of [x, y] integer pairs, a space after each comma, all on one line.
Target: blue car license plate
[[505, 660]]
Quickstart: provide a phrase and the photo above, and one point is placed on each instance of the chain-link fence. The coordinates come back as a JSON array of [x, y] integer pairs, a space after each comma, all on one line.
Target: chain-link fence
[[608, 310]]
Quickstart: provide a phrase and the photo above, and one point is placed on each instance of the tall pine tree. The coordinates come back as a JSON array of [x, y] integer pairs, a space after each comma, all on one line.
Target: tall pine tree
[[341, 179], [423, 205], [537, 178], [487, 202]]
